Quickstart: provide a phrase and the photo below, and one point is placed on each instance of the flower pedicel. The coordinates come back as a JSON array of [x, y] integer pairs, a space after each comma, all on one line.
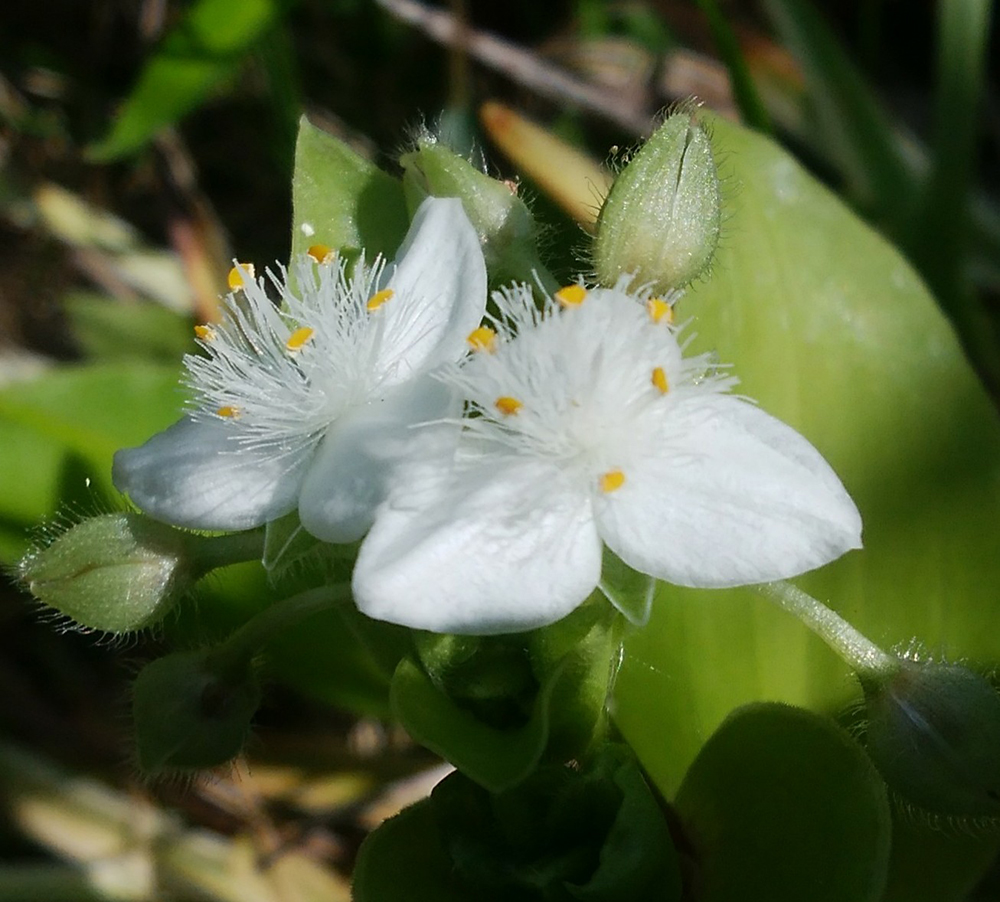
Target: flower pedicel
[[587, 425], [310, 405]]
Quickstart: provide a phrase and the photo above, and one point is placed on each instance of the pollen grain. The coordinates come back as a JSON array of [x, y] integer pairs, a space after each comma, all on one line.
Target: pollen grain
[[238, 275], [321, 253], [611, 481], [228, 413], [379, 298], [660, 310], [508, 406], [571, 295], [298, 338], [482, 339], [659, 379]]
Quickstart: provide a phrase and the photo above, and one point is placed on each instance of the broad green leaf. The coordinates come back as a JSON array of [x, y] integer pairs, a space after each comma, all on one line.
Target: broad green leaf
[[205, 49], [403, 861], [830, 330], [851, 129], [30, 465], [341, 200], [782, 806], [495, 758], [58, 433], [727, 43], [107, 331], [95, 410], [938, 864], [941, 253]]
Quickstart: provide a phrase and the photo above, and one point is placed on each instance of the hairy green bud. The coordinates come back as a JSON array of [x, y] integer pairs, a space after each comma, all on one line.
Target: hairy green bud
[[934, 734], [660, 221], [506, 228], [192, 710], [116, 572], [123, 572]]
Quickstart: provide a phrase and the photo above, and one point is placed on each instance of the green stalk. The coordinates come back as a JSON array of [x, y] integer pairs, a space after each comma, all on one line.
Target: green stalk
[[863, 655]]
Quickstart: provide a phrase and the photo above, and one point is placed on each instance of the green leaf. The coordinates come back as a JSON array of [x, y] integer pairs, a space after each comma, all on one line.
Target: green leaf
[[939, 251], [110, 332], [493, 757], [403, 861], [745, 93], [831, 331], [851, 128], [71, 421], [781, 806], [341, 200], [205, 49], [96, 410]]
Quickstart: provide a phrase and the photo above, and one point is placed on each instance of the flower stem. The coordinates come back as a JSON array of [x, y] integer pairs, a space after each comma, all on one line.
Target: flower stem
[[212, 552], [238, 648], [863, 655]]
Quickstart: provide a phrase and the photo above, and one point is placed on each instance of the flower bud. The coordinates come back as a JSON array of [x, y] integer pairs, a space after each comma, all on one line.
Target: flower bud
[[192, 710], [934, 734], [116, 572], [506, 228], [660, 221]]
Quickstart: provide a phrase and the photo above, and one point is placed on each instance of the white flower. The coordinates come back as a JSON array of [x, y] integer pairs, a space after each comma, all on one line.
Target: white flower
[[309, 405], [587, 425]]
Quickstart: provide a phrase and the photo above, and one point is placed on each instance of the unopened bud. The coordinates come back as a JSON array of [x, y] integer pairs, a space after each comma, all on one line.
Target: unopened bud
[[934, 734], [192, 710], [505, 226], [116, 572], [660, 221]]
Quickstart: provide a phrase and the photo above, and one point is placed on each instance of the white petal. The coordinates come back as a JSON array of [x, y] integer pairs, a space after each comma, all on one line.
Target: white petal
[[348, 477], [195, 475], [508, 547], [439, 291], [736, 497]]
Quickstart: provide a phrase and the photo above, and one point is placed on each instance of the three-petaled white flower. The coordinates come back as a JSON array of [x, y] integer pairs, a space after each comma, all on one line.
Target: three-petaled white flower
[[309, 405], [587, 425]]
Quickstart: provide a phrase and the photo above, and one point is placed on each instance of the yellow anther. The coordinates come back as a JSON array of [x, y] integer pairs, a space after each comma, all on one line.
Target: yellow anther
[[508, 406], [204, 333], [322, 254], [238, 275], [379, 298], [482, 339], [571, 295], [660, 309], [230, 413], [611, 481], [659, 379], [298, 338]]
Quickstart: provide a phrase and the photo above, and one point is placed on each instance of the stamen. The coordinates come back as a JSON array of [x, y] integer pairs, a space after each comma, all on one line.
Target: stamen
[[508, 406], [571, 295], [379, 298], [482, 339], [298, 338], [204, 333], [238, 274], [660, 309], [611, 481], [322, 254], [230, 413], [659, 379]]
